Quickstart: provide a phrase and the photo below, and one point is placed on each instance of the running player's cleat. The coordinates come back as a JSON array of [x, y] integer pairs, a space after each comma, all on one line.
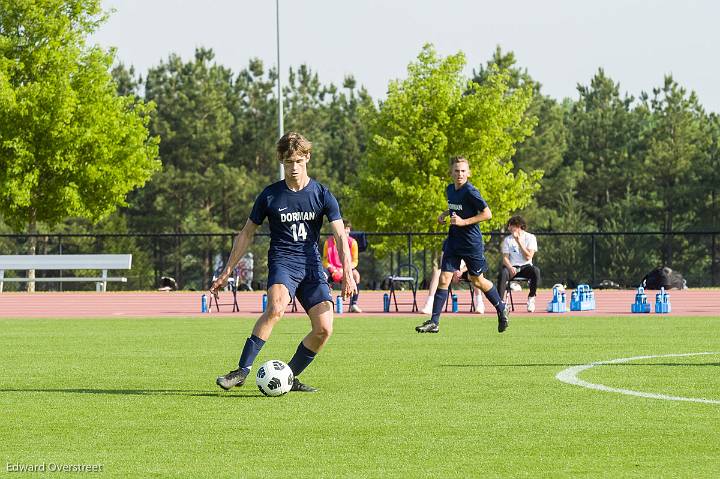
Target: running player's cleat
[[300, 387], [428, 327], [231, 379], [503, 319]]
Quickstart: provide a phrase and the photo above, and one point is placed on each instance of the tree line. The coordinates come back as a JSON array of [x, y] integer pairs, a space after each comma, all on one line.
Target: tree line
[[186, 146]]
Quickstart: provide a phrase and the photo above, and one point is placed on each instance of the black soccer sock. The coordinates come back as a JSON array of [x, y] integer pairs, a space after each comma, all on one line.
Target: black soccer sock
[[302, 359], [253, 345], [441, 296], [494, 297], [354, 298]]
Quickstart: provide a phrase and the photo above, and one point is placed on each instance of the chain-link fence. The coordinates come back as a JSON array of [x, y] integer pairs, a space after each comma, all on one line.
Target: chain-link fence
[[570, 258]]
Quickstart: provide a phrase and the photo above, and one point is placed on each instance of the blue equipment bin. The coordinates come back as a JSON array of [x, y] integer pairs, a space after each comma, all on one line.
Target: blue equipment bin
[[557, 305], [640, 305], [662, 302], [582, 299]]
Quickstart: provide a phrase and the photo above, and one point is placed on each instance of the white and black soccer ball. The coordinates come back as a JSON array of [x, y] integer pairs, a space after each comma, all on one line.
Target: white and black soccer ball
[[274, 378]]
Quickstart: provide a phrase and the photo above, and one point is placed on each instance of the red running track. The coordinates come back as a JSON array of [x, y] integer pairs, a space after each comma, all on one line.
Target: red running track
[[701, 302]]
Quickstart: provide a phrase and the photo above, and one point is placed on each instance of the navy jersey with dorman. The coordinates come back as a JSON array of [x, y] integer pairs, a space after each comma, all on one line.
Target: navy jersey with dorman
[[295, 219], [465, 203]]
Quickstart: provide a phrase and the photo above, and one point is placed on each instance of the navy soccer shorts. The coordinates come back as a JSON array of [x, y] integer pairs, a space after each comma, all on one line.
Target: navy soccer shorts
[[476, 264], [308, 285]]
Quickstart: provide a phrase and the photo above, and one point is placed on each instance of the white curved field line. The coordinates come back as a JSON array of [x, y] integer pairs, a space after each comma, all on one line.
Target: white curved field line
[[569, 376]]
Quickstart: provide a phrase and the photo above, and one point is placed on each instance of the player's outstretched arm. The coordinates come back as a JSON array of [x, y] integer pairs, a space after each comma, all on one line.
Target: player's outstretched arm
[[348, 282], [242, 241]]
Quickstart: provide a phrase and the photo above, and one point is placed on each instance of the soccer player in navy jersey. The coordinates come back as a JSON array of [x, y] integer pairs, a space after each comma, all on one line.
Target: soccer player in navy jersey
[[294, 208], [466, 208]]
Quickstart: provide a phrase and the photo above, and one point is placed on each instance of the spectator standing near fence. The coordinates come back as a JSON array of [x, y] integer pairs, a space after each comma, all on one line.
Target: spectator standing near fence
[[333, 264], [295, 208], [466, 208]]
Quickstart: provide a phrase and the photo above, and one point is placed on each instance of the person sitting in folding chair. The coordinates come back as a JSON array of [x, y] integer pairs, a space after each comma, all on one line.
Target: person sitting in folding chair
[[333, 265], [518, 249], [245, 272]]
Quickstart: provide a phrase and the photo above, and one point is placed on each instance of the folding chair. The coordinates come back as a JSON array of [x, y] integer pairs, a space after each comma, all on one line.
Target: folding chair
[[508, 289], [405, 274], [336, 285], [232, 283], [463, 279]]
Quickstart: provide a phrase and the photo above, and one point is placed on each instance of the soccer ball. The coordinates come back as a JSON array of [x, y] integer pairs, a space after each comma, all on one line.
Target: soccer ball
[[274, 378]]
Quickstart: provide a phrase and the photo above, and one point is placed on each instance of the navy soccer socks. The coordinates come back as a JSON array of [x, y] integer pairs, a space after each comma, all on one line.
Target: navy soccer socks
[[441, 296], [494, 297], [253, 345], [302, 359]]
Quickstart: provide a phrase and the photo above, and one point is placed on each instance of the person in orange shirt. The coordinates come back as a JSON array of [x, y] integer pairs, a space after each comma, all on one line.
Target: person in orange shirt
[[333, 265]]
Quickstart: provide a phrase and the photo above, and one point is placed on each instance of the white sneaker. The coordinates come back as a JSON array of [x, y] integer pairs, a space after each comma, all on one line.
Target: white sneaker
[[479, 305], [428, 307], [354, 308], [531, 304]]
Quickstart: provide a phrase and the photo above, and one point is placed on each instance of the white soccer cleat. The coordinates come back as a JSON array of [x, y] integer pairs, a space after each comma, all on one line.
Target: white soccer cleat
[[354, 308], [531, 304]]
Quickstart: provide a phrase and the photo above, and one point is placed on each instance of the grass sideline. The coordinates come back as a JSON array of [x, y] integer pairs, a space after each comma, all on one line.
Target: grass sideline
[[138, 396]]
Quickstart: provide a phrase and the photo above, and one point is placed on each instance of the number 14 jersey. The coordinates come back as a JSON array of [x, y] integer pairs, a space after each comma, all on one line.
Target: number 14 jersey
[[295, 219]]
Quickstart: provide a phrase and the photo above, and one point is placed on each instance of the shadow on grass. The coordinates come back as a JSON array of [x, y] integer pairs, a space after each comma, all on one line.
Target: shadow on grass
[[544, 365], [141, 392]]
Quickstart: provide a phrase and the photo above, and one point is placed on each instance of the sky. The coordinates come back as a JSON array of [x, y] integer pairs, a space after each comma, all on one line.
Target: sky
[[562, 43]]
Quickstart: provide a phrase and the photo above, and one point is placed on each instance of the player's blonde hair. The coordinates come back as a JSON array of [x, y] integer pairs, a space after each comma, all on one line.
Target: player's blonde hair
[[291, 144], [458, 159]]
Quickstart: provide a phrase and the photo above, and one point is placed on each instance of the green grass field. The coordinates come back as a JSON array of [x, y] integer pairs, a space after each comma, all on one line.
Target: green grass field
[[138, 396]]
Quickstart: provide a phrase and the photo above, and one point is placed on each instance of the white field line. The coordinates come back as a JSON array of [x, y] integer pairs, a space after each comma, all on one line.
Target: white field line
[[569, 376]]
